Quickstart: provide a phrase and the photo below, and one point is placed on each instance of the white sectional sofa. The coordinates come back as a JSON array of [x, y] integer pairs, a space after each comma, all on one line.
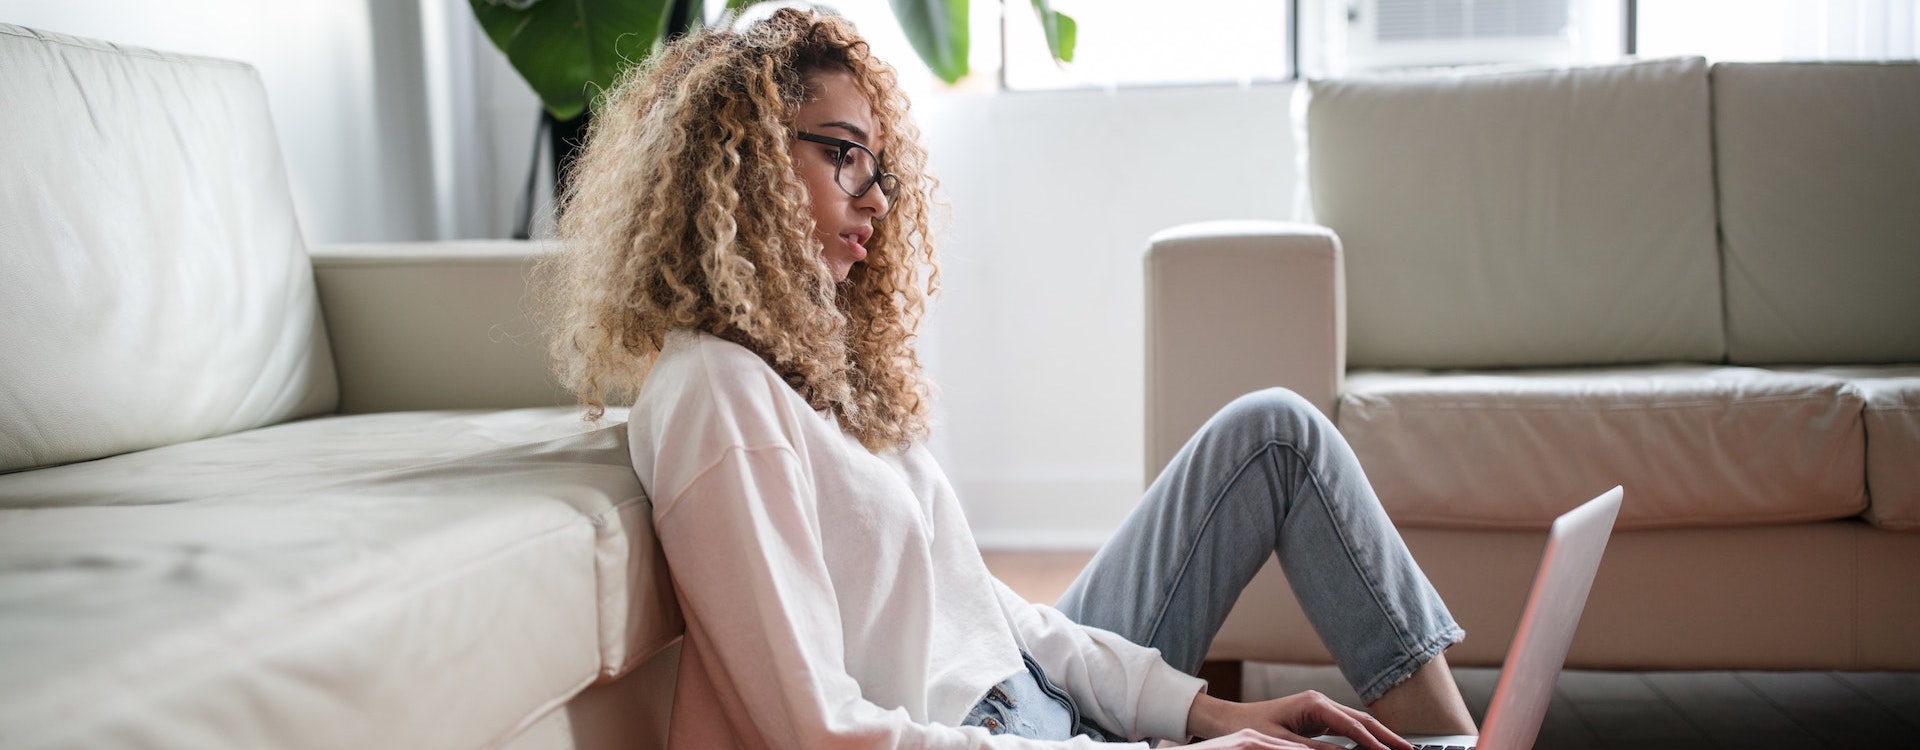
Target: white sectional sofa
[[1522, 287], [252, 496]]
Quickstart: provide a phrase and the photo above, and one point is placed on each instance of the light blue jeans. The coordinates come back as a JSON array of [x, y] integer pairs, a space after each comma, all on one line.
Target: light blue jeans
[[1268, 474], [1030, 705]]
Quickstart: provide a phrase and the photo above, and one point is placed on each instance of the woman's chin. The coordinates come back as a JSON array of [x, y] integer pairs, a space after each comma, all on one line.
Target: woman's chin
[[841, 269]]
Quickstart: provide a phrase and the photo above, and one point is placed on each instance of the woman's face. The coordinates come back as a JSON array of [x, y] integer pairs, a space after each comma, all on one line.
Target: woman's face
[[842, 222]]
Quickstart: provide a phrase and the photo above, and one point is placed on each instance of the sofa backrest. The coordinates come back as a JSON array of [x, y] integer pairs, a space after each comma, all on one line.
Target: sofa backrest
[[154, 287], [1522, 218], [1819, 176]]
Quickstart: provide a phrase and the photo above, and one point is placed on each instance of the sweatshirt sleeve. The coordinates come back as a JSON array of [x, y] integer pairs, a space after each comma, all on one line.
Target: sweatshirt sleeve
[[1119, 684], [742, 539]]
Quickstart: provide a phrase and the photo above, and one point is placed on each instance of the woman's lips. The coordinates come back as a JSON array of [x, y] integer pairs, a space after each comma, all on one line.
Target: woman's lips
[[856, 242]]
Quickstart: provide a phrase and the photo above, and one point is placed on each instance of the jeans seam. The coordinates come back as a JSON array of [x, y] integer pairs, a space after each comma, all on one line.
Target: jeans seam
[[1193, 544], [1367, 573]]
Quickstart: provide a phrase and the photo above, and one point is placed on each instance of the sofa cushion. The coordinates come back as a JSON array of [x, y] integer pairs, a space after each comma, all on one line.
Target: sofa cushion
[[1819, 174], [1693, 445], [1892, 419], [153, 284], [1531, 218], [431, 579], [435, 325]]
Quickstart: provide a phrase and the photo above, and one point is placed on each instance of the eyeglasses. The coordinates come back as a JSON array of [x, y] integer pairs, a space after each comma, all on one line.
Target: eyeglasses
[[855, 168]]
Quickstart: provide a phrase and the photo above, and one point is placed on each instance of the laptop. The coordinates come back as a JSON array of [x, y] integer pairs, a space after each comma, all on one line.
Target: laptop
[[1540, 643]]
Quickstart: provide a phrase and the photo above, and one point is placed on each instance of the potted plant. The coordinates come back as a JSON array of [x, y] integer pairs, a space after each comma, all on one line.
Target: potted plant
[[568, 50]]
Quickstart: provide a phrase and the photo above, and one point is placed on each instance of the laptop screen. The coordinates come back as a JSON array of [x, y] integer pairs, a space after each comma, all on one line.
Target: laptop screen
[[1539, 648]]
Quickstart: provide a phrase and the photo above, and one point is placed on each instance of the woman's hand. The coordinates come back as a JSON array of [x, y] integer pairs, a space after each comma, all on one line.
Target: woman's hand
[[1247, 739], [1291, 722]]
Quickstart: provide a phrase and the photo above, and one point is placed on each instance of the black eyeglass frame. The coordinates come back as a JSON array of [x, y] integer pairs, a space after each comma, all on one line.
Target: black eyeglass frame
[[889, 182]]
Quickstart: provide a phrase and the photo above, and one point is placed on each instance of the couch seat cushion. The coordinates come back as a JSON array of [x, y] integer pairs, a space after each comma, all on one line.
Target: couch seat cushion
[[1892, 418], [429, 579], [1693, 445]]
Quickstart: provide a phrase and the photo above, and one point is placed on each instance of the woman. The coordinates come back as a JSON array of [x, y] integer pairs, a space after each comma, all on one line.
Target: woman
[[747, 245]]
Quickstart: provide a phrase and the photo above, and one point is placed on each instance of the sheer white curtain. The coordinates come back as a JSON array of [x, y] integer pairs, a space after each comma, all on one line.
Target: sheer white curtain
[[1852, 29], [480, 124], [1761, 30]]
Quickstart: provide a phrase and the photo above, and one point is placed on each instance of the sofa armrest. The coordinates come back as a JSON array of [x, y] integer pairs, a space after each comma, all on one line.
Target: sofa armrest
[[434, 325], [1234, 307]]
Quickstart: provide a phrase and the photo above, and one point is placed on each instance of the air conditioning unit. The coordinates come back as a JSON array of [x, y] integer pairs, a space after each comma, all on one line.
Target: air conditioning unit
[[1389, 34]]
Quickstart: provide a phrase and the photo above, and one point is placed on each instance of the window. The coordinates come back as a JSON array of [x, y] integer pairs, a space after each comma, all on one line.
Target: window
[[1138, 43], [1242, 41], [1763, 30], [1151, 43], [1341, 37]]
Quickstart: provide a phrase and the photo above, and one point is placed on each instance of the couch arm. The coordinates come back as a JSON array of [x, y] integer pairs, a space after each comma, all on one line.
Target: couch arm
[[434, 325], [1234, 307]]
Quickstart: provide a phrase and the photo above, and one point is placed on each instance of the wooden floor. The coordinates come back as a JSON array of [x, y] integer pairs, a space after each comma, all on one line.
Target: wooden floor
[[1642, 710]]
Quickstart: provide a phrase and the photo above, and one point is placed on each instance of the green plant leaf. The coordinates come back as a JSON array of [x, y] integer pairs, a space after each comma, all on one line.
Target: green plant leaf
[[570, 50], [1061, 30], [937, 29]]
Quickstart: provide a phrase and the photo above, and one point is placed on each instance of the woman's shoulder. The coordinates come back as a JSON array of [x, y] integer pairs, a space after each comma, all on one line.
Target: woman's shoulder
[[701, 384], [703, 361]]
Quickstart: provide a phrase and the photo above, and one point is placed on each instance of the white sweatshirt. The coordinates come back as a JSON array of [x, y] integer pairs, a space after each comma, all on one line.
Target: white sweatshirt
[[834, 596]]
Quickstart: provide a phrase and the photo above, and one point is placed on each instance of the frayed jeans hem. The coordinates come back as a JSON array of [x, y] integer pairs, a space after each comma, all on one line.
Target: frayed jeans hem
[[1398, 673]]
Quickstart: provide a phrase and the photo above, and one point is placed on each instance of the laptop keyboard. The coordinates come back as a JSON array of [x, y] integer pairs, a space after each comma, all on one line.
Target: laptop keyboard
[[1442, 747]]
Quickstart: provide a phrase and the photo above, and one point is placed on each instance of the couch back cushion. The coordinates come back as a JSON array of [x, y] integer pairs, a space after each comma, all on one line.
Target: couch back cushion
[[154, 287], [1546, 217], [1819, 168]]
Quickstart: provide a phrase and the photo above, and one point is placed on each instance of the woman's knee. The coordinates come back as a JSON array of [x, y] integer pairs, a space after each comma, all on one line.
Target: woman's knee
[[1260, 421], [1272, 411]]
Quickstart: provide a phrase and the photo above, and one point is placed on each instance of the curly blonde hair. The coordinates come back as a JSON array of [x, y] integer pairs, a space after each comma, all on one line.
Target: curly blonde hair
[[684, 212]]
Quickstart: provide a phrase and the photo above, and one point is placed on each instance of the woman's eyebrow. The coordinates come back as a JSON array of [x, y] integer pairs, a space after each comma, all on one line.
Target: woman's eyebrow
[[859, 135]]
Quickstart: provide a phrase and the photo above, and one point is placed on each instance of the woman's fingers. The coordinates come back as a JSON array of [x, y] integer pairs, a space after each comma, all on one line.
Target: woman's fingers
[[1354, 724], [1351, 728], [1311, 743], [1248, 739], [1378, 730], [1294, 721], [1255, 739]]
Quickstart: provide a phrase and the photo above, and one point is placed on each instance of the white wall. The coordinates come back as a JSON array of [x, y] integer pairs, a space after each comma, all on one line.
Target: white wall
[[1037, 339]]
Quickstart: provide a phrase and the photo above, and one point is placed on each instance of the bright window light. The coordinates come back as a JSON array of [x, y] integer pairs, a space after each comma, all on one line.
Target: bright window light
[[1765, 30], [1139, 43]]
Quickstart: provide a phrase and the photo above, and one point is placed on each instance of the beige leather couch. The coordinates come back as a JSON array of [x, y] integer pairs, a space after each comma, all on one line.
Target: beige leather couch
[[1520, 288], [255, 497]]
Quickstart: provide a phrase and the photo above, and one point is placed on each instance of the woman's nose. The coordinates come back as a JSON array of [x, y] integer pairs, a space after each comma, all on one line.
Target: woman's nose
[[875, 200]]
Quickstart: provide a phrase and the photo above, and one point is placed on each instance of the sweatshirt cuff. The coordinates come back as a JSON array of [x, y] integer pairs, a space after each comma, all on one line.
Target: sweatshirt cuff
[[1165, 700]]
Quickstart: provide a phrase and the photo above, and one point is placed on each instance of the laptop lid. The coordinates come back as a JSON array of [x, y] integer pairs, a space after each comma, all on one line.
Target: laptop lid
[[1539, 647]]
